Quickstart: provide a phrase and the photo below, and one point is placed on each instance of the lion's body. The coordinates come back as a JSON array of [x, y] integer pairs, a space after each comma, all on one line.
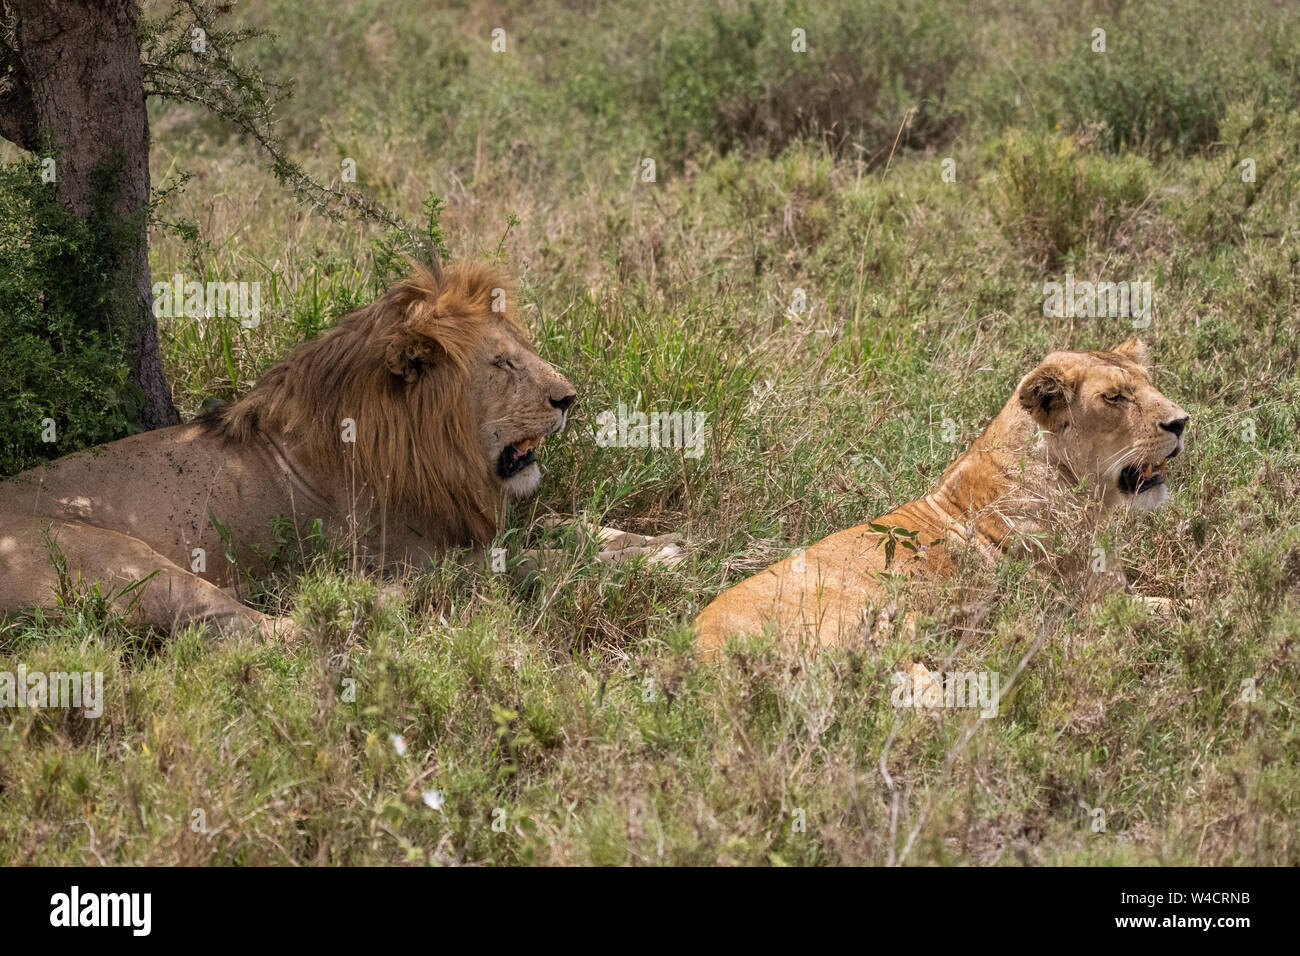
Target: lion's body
[[1057, 428], [387, 430], [142, 505], [164, 487]]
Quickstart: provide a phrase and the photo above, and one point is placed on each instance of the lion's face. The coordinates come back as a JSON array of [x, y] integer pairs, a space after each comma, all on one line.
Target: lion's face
[[520, 400], [1104, 419]]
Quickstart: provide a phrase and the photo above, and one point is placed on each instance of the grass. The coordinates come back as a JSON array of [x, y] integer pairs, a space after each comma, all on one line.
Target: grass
[[572, 714]]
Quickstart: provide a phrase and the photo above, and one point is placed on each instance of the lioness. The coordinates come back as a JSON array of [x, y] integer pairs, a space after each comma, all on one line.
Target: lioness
[[1079, 417], [403, 429]]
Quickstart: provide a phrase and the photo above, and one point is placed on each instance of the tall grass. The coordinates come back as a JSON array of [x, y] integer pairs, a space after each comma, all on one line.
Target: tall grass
[[801, 271]]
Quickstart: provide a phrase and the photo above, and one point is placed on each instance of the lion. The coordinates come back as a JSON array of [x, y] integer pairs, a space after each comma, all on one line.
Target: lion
[[1090, 421], [403, 431]]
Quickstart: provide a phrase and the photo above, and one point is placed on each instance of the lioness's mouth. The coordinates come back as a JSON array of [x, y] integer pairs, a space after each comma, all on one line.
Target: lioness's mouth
[[1134, 480], [515, 458]]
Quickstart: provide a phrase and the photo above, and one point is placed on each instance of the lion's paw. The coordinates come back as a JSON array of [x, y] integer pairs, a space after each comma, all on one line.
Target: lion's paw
[[282, 630], [666, 554], [1162, 606]]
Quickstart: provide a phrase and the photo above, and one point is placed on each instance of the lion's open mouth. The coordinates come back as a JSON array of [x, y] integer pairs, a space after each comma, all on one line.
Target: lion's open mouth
[[515, 458], [1134, 480]]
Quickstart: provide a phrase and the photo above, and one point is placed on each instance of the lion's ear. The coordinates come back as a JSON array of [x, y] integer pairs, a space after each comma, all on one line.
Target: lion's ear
[[440, 326], [1045, 394], [410, 351], [1135, 351]]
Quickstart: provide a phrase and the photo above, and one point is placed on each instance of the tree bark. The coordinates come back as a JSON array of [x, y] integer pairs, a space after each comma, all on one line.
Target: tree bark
[[71, 81]]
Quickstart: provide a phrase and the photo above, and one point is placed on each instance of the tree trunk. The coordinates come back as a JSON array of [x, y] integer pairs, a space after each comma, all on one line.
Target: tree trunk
[[75, 85]]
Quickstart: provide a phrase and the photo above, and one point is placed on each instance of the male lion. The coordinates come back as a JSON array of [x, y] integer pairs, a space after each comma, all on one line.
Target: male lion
[[1091, 417], [403, 429]]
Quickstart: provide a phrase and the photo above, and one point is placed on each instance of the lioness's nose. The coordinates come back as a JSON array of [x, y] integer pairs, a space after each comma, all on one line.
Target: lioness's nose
[[563, 403], [1175, 425]]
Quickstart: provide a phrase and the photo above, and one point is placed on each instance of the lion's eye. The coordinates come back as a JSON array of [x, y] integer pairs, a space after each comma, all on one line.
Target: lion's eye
[[1115, 397], [502, 362]]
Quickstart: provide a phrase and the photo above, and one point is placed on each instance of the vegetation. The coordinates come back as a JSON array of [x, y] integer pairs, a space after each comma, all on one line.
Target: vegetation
[[802, 270], [66, 381]]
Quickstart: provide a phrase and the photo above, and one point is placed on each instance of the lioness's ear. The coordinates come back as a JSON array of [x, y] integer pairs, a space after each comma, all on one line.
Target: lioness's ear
[[1134, 351], [1045, 394]]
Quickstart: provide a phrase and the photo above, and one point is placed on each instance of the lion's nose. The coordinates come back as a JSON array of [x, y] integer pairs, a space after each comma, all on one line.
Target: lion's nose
[[563, 403], [1176, 425]]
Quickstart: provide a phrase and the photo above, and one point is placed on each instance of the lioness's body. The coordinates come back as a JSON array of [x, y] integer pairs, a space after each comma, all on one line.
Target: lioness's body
[[1058, 427], [816, 597], [402, 430]]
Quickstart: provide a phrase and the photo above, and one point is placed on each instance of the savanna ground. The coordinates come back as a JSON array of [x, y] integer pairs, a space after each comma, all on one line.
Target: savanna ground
[[573, 713]]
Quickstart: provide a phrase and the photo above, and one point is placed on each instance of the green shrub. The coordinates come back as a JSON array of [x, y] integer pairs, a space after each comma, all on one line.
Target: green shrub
[[734, 81], [59, 359], [1160, 86], [1227, 202], [1052, 194]]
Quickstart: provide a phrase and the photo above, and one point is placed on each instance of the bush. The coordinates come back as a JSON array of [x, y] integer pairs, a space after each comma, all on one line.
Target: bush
[[734, 82], [59, 359], [1219, 206], [1161, 87], [1052, 194]]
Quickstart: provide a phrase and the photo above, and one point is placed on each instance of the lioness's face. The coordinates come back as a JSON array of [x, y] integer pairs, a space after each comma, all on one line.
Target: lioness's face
[[1104, 419], [520, 400]]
